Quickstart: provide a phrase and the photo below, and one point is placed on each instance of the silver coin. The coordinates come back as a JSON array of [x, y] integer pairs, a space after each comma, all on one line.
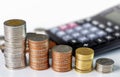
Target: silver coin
[[104, 65]]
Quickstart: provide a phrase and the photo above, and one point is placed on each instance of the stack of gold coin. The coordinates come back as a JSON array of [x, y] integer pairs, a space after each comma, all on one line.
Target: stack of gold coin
[[15, 36], [38, 45], [62, 58], [84, 58]]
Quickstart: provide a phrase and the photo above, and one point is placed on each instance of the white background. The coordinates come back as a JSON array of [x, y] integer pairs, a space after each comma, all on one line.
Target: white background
[[47, 14]]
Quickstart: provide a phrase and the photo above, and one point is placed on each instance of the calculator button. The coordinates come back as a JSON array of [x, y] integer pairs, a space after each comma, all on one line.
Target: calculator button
[[87, 25], [88, 19], [54, 30], [83, 39], [100, 40], [89, 44], [109, 38], [76, 34], [109, 30], [109, 24], [69, 31], [117, 34], [72, 25], [84, 31], [78, 28], [116, 27], [102, 26], [63, 27], [80, 22], [92, 36], [60, 33], [101, 33], [94, 22], [66, 37], [94, 29]]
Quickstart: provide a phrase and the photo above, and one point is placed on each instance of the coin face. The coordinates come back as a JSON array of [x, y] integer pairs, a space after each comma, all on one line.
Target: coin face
[[14, 22], [84, 51], [105, 61], [62, 48], [38, 37]]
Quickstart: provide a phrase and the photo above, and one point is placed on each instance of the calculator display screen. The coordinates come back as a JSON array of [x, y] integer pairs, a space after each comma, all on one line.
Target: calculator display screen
[[114, 16]]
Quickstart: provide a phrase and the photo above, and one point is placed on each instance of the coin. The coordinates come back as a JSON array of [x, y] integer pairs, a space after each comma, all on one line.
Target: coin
[[83, 59], [104, 65], [38, 47], [15, 33], [62, 58]]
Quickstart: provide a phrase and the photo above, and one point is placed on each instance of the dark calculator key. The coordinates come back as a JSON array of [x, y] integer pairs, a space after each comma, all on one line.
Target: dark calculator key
[[67, 37], [80, 22], [82, 39], [109, 37], [87, 25], [109, 24], [109, 30], [94, 22], [100, 40], [117, 34], [89, 44], [102, 26], [116, 27]]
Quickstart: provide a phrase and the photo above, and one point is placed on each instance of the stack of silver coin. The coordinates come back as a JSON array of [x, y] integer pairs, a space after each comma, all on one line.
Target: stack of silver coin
[[15, 33], [104, 65]]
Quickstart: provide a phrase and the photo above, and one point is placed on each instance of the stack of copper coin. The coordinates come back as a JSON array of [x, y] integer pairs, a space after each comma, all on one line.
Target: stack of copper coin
[[62, 58], [15, 36], [38, 45], [84, 59]]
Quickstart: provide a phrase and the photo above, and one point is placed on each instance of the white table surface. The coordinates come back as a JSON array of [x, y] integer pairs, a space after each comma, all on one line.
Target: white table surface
[[48, 14]]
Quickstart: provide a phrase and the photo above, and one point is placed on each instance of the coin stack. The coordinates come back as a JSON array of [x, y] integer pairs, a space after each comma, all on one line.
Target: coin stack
[[62, 58], [15, 33], [84, 59], [104, 65], [38, 45]]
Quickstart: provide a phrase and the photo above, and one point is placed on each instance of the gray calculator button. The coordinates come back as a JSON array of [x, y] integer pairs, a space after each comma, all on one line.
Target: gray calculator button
[[109, 23], [88, 19], [78, 28], [76, 34], [94, 29], [92, 36], [82, 39], [94, 22], [60, 33], [87, 25], [109, 30], [84, 32], [101, 26], [117, 34], [101, 33], [66, 37], [116, 27], [54, 30], [69, 31]]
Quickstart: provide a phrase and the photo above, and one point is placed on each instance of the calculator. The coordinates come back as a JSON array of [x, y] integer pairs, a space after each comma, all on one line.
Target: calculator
[[100, 32]]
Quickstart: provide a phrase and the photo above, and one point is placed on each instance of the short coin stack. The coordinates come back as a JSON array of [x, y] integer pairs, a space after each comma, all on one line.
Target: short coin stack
[[62, 58], [84, 59], [15, 33], [104, 65], [38, 45]]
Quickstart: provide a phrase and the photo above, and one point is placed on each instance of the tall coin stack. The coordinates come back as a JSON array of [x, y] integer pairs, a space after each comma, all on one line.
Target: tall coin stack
[[62, 58], [84, 58], [15, 33], [38, 45]]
